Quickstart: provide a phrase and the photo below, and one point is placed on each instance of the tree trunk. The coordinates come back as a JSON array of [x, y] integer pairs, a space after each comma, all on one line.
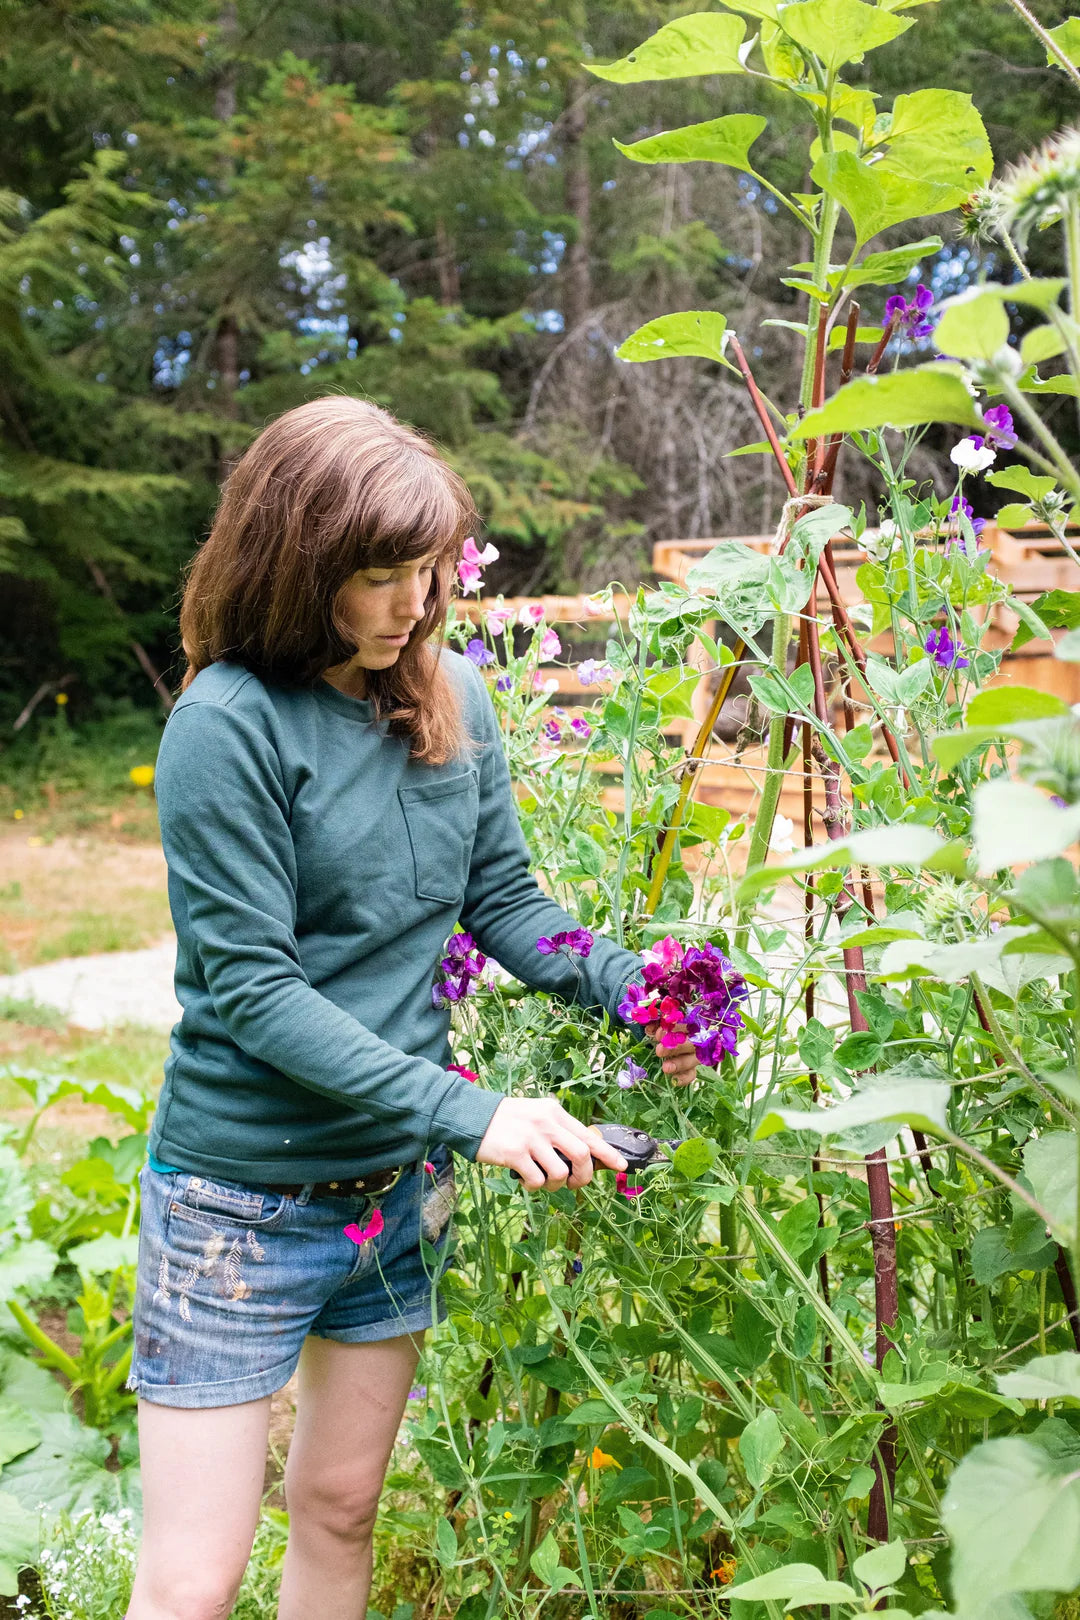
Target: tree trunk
[[449, 279], [577, 294]]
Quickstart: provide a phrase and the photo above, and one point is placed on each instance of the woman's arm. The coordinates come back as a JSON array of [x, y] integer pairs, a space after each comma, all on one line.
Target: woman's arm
[[224, 828]]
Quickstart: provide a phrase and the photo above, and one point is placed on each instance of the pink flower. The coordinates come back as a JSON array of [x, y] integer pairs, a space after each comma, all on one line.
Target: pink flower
[[531, 615], [466, 1074], [361, 1234], [550, 645], [621, 1187], [540, 684], [429, 1167], [497, 620], [472, 560]]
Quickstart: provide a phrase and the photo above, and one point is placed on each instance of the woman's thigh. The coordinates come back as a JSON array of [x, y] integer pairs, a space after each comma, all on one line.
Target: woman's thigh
[[202, 1482], [349, 1407]]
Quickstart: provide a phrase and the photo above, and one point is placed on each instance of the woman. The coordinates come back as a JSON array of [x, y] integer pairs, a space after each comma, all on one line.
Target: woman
[[333, 798]]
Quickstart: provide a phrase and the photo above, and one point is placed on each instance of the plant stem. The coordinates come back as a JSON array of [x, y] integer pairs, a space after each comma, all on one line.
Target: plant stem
[[1052, 46], [774, 779]]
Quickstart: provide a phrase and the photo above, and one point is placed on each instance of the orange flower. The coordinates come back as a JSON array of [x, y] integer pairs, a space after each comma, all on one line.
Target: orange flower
[[600, 1459], [724, 1573]]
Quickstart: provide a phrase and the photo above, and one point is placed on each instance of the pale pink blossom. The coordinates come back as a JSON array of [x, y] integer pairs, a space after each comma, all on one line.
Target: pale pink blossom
[[497, 620], [541, 685], [531, 615], [550, 645], [472, 561]]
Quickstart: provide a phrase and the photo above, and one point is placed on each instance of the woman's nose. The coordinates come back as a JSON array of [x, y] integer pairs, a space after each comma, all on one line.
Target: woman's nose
[[415, 598]]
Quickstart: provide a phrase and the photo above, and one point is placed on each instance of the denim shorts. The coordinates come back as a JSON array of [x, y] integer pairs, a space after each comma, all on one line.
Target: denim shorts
[[232, 1278]]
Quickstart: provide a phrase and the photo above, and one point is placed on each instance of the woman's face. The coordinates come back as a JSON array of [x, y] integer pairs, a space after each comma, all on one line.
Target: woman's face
[[382, 607]]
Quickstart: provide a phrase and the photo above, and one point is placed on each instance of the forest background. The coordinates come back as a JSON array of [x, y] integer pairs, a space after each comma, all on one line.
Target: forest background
[[212, 212]]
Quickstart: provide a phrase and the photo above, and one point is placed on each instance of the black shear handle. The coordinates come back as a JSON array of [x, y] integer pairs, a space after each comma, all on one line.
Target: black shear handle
[[638, 1148]]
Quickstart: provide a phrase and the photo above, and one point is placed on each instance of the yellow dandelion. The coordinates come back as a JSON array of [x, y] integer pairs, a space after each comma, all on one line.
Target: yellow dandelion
[[601, 1459], [61, 698], [141, 775], [19, 814], [508, 1514]]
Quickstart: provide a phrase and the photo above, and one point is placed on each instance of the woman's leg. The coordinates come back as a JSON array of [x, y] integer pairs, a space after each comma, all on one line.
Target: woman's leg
[[351, 1399], [202, 1478]]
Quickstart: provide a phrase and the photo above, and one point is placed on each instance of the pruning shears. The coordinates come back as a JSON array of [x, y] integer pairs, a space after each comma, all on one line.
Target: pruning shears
[[638, 1148]]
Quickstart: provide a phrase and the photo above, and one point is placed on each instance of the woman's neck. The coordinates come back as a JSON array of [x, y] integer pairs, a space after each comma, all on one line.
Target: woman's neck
[[348, 678]]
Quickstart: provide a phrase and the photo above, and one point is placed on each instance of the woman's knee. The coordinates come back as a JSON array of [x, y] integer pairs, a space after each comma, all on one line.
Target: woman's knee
[[338, 1504], [184, 1595]]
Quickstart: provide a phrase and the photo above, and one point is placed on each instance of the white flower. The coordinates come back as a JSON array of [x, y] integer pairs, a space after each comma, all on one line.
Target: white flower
[[972, 455], [781, 841]]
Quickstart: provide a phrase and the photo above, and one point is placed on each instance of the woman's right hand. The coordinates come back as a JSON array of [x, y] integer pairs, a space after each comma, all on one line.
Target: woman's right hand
[[527, 1134]]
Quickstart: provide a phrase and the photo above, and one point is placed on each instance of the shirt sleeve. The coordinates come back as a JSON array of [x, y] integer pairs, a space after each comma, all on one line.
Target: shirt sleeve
[[223, 811], [505, 909]]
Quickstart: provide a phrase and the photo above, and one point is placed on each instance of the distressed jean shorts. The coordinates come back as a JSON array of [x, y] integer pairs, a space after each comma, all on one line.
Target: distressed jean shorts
[[232, 1278]]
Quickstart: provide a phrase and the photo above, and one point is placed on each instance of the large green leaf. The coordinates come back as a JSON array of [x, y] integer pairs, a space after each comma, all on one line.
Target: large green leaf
[[839, 31], [1050, 1164], [939, 136], [887, 268], [760, 1444], [972, 327], [1012, 1513], [795, 1586], [875, 198], [904, 844], [105, 1253], [1014, 822], [18, 1542], [700, 332], [27, 1265], [704, 42], [1005, 705], [881, 1566], [1067, 36], [936, 392], [1046, 1378], [917, 1102], [720, 140], [65, 1470], [989, 957], [19, 1430]]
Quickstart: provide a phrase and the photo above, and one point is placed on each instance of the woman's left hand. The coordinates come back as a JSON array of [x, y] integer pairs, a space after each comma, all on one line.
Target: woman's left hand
[[678, 1061]]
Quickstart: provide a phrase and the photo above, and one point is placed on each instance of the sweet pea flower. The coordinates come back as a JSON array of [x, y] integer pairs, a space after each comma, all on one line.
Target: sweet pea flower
[[621, 1186], [553, 731], [472, 560], [545, 684], [466, 1074], [781, 839], [550, 645], [504, 683], [581, 728], [531, 615], [944, 650], [960, 504], [629, 1075], [972, 455], [692, 994], [461, 967], [1002, 431], [911, 317], [418, 1392], [477, 653], [574, 941], [361, 1234], [497, 620], [589, 672]]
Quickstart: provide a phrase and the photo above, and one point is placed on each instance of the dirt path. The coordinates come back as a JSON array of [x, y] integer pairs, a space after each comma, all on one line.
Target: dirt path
[[114, 987]]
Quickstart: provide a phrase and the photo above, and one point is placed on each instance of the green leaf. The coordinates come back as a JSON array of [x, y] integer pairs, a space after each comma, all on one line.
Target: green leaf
[[921, 1103], [794, 1585], [18, 1542], [26, 1266], [760, 1444], [1050, 1164], [973, 326], [1054, 610], [1012, 1513], [886, 269], [932, 393], [881, 1566], [590, 1411], [692, 1159], [859, 1050], [19, 1431], [700, 332], [938, 136], [65, 1470], [911, 958], [839, 31], [903, 844], [1014, 822], [103, 1254], [1041, 343], [704, 42], [545, 1560], [446, 1544], [874, 198], [1067, 36], [1005, 705], [719, 140], [1046, 1378]]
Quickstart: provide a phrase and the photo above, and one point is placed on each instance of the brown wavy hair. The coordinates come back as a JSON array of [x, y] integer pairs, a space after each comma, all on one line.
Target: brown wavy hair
[[331, 487]]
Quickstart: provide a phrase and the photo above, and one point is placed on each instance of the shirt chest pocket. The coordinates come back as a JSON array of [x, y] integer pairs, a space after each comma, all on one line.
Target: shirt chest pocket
[[441, 817]]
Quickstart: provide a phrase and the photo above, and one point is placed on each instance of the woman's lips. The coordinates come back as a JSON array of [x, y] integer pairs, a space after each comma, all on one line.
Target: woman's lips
[[397, 641]]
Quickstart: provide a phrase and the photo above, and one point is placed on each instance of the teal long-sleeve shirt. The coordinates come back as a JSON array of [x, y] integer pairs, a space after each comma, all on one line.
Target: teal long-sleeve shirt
[[315, 872]]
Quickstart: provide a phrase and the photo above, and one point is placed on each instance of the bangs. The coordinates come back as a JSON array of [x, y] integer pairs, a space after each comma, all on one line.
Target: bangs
[[415, 508]]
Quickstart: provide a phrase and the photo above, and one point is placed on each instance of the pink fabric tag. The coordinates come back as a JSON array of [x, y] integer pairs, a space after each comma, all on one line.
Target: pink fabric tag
[[360, 1234]]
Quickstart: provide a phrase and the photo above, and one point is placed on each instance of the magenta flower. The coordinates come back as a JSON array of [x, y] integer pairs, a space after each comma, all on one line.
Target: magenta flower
[[630, 1074], [466, 1074], [477, 653], [581, 728], [944, 650], [621, 1187], [590, 672], [361, 1234], [572, 941], [461, 968], [911, 316], [504, 684], [552, 731], [692, 994], [999, 421]]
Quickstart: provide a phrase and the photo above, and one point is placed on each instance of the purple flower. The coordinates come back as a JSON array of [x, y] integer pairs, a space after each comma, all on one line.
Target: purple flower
[[1002, 431], [581, 728], [574, 941], [691, 993], [504, 684], [576, 1267], [590, 672], [944, 650], [478, 654], [630, 1074], [461, 968], [552, 731], [419, 1393], [911, 317], [960, 504]]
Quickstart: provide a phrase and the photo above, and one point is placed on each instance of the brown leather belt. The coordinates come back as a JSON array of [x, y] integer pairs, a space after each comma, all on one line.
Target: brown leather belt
[[359, 1187]]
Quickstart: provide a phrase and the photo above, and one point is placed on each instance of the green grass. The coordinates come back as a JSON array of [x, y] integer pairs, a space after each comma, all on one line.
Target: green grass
[[73, 779]]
